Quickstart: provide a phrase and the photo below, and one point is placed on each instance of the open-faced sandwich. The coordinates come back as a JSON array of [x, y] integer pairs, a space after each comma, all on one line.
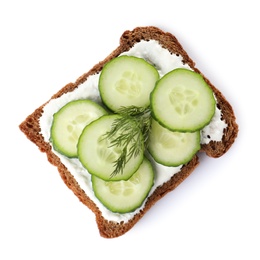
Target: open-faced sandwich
[[128, 131]]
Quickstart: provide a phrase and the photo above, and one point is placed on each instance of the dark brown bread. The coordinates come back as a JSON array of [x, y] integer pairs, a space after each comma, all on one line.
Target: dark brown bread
[[109, 229]]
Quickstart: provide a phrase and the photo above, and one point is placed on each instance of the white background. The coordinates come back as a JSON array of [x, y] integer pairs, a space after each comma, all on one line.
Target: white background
[[44, 45]]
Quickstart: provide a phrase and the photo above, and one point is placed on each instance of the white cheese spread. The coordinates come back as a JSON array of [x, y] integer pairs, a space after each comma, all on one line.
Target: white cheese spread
[[164, 61], [214, 130]]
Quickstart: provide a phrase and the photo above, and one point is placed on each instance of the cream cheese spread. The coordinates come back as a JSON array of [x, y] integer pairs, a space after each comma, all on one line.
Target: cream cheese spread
[[164, 61]]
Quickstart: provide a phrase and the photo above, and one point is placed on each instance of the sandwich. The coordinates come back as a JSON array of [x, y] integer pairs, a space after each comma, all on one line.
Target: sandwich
[[129, 130]]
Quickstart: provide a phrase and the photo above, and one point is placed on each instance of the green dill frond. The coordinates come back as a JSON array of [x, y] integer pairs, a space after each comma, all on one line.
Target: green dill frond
[[134, 123]]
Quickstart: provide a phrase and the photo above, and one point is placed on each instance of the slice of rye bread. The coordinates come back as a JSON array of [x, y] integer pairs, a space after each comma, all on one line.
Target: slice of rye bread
[[110, 229]]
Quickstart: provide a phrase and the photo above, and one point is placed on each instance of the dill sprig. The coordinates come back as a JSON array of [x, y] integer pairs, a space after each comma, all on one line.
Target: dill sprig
[[134, 123]]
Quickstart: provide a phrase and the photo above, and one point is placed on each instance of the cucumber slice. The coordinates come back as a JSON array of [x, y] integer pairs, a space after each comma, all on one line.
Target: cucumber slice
[[125, 196], [172, 148], [127, 81], [183, 101], [98, 156], [69, 122]]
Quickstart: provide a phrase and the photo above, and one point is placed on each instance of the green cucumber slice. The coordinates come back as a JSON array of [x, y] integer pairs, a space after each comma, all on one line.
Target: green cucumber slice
[[98, 156], [69, 122], [125, 196], [183, 101], [127, 81], [172, 148]]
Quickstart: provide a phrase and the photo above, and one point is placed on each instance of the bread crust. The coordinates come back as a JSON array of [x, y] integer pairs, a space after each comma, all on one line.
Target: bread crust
[[109, 229]]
